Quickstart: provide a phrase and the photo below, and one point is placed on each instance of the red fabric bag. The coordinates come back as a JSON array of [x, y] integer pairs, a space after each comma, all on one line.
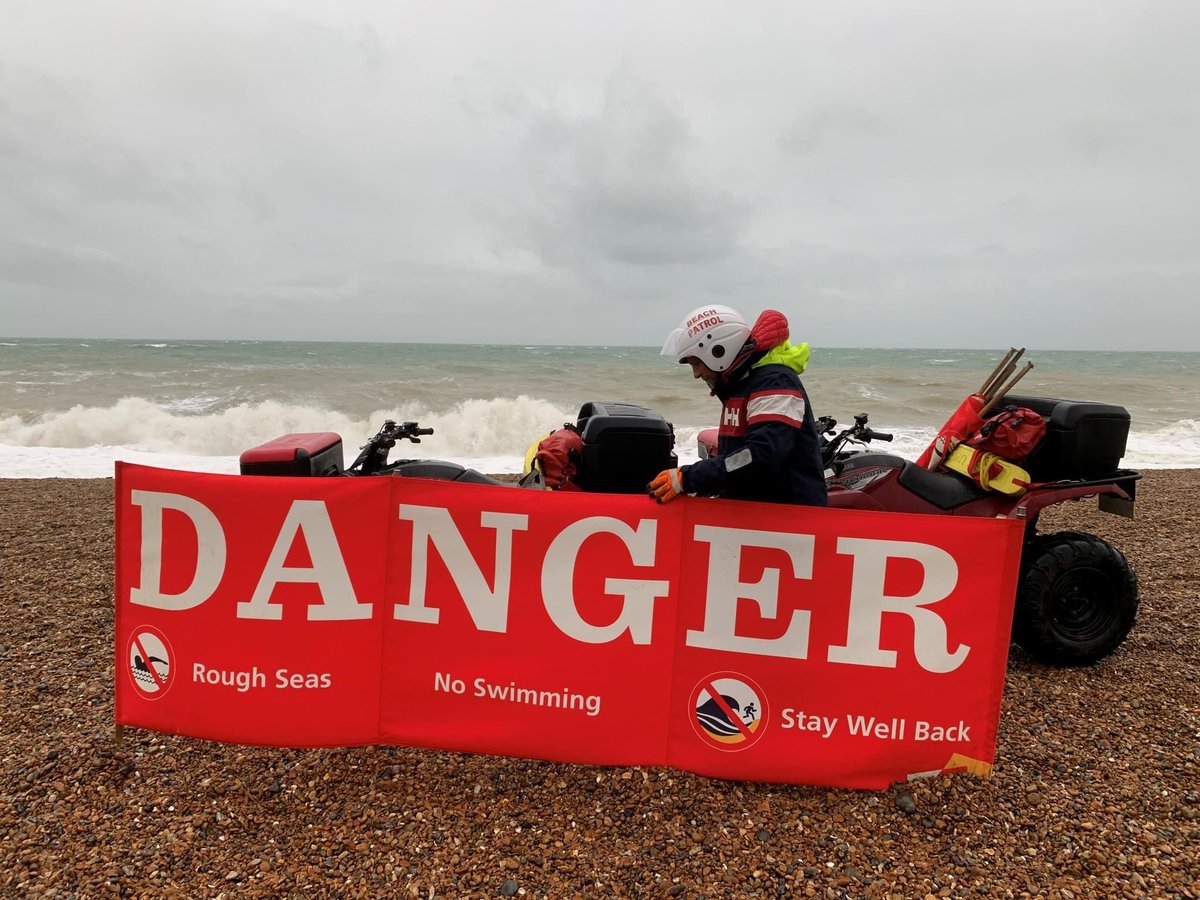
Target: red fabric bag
[[1011, 434], [961, 423], [559, 454]]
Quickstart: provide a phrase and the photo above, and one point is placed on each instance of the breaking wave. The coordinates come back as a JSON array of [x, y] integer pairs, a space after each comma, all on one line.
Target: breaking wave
[[491, 435], [467, 429]]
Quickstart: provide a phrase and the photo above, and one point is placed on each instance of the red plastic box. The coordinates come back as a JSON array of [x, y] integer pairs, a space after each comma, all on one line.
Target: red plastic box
[[305, 455]]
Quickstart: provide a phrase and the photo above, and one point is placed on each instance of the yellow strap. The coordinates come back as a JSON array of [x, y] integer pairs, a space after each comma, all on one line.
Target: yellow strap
[[1008, 478]]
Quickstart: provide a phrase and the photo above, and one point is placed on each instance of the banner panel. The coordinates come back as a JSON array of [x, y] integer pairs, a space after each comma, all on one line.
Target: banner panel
[[530, 623], [738, 640], [839, 647], [247, 608]]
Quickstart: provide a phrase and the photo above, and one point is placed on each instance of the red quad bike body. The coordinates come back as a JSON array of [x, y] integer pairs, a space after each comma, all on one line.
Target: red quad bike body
[[1077, 596]]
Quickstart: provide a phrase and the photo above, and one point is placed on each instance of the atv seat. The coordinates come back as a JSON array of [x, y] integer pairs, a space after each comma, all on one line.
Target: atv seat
[[441, 470], [945, 490]]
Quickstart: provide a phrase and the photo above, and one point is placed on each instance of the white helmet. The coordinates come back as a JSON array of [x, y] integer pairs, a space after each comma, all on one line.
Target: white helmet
[[712, 334]]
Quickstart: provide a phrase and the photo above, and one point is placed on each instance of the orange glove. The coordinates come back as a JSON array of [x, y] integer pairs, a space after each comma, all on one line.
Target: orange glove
[[667, 485]]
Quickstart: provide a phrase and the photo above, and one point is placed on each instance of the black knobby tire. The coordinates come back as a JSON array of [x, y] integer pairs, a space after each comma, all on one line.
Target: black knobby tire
[[1076, 601]]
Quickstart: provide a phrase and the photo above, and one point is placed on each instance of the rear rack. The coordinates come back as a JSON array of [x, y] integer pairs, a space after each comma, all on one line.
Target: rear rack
[[1126, 479]]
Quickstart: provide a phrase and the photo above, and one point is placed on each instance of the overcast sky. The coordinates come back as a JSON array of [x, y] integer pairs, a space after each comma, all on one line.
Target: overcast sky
[[926, 174]]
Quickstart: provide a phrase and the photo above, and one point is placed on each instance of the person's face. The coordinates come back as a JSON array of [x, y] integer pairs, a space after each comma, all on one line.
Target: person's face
[[703, 372]]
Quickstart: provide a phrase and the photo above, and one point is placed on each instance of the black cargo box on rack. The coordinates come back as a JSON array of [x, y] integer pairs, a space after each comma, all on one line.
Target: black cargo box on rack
[[624, 446], [304, 455], [1083, 439]]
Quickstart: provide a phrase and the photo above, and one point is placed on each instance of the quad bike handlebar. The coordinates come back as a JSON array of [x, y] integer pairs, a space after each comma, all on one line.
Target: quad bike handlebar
[[374, 455], [833, 449]]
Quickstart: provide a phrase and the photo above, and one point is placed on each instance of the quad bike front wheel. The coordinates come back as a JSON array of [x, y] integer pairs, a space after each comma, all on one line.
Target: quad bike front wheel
[[1076, 600]]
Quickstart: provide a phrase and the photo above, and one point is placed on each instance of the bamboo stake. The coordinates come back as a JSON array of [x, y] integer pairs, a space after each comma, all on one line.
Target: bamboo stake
[[1004, 374], [1008, 387], [996, 371]]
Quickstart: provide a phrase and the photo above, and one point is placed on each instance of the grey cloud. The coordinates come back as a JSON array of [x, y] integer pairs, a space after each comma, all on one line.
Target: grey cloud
[[1095, 138], [75, 268], [54, 163], [537, 173], [831, 125], [620, 188]]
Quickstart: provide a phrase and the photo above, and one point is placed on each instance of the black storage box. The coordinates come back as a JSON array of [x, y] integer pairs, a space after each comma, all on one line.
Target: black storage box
[[304, 455], [624, 446], [1083, 439]]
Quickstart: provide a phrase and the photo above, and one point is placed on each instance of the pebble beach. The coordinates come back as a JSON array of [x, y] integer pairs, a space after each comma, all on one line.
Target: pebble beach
[[1095, 792]]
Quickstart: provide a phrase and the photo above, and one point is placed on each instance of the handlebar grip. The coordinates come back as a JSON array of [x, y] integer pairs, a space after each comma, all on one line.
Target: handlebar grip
[[879, 436], [430, 431]]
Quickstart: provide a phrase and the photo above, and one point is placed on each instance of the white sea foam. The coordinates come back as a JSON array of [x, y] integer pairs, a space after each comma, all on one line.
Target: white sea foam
[[866, 392], [491, 435], [196, 404], [471, 428], [1172, 447], [99, 462], [488, 435]]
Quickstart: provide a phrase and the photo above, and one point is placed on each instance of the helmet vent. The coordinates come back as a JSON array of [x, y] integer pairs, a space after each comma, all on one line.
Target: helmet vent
[[718, 350]]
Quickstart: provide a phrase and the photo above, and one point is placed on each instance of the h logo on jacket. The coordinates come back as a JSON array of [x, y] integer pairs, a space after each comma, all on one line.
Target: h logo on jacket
[[733, 418]]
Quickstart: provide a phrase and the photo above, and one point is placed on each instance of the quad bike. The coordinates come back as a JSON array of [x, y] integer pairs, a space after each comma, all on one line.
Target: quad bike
[[1077, 596]]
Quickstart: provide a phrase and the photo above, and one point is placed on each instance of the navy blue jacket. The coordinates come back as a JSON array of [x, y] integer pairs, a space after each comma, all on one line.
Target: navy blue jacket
[[767, 445]]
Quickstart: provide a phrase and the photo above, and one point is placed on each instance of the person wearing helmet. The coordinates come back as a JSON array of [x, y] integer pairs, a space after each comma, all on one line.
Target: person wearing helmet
[[767, 444]]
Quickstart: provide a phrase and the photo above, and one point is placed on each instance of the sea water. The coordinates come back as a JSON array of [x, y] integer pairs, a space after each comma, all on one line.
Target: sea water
[[70, 408]]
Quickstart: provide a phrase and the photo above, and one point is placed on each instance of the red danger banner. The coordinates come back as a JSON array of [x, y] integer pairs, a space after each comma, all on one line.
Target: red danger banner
[[737, 640]]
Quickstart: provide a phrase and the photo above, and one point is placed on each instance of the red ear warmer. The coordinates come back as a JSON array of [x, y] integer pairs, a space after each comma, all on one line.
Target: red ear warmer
[[770, 330]]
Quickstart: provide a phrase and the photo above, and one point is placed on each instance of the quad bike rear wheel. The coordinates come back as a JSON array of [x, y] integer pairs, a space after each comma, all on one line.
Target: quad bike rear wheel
[[1076, 601]]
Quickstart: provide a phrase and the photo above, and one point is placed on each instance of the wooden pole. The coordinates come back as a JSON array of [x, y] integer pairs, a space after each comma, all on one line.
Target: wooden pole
[[996, 371], [995, 382], [1008, 387]]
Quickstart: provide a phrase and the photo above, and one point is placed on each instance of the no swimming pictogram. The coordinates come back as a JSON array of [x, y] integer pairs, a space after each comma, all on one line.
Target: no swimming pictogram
[[150, 660], [729, 711]]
